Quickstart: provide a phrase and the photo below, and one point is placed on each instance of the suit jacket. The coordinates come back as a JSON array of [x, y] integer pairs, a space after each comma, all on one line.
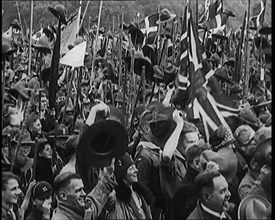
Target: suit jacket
[[200, 214]]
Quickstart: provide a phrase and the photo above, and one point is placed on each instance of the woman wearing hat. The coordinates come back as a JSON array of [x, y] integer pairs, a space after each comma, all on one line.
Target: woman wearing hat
[[130, 200]]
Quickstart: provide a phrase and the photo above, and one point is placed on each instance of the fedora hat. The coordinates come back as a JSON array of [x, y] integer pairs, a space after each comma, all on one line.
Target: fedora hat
[[260, 100], [265, 30], [222, 75], [62, 133], [253, 206], [229, 13], [262, 134], [265, 118], [15, 24], [137, 36], [18, 91], [59, 12], [230, 62], [140, 61], [102, 141], [42, 45], [165, 16], [221, 138], [219, 36], [7, 50], [162, 124], [25, 138], [244, 134], [248, 116], [170, 73]]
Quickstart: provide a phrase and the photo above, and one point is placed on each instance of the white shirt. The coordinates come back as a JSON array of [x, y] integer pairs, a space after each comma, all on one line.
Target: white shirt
[[213, 212]]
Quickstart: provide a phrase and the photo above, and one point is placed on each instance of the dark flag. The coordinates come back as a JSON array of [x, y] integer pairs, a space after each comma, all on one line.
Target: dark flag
[[55, 68], [149, 27]]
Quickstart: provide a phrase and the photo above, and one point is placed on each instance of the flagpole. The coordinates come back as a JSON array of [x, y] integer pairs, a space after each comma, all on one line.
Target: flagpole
[[30, 45], [19, 17], [79, 16], [95, 41], [85, 11], [247, 54]]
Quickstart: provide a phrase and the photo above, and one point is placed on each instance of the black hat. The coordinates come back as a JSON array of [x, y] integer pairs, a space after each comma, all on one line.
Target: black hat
[[121, 166], [49, 33], [42, 45], [18, 90], [59, 12], [230, 62], [229, 13], [165, 16], [219, 36], [221, 137], [7, 50], [42, 190], [45, 74], [102, 141], [170, 74], [15, 24], [140, 61], [265, 30]]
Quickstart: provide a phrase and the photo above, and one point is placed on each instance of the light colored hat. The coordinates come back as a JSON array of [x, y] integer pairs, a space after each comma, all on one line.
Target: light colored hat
[[244, 134]]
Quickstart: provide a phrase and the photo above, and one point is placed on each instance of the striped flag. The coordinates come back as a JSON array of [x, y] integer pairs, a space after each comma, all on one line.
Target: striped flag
[[203, 105], [212, 8], [258, 19], [217, 22], [149, 27]]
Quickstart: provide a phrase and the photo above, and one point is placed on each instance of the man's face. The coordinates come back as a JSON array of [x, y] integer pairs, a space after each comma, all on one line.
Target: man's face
[[44, 103], [218, 199], [37, 127], [75, 193], [42, 204], [190, 139], [10, 192]]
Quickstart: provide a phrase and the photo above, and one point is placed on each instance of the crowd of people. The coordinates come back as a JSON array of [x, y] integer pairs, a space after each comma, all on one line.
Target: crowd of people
[[118, 141]]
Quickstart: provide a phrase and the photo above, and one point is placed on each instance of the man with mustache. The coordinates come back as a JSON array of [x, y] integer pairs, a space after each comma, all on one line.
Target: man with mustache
[[214, 196]]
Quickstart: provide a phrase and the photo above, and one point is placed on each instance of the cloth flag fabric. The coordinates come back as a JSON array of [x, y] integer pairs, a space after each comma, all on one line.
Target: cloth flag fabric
[[69, 34], [149, 28], [75, 57], [212, 8], [203, 104], [218, 21]]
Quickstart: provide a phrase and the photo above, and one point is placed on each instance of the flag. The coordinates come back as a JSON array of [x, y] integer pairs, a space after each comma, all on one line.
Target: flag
[[258, 19], [203, 104], [217, 22], [75, 57], [69, 33], [54, 68], [149, 28], [212, 8]]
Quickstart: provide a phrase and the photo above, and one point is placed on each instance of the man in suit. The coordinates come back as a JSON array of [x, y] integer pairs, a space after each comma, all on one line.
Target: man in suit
[[213, 196]]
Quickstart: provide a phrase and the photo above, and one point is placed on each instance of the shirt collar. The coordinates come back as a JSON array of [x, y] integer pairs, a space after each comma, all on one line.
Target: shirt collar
[[213, 212]]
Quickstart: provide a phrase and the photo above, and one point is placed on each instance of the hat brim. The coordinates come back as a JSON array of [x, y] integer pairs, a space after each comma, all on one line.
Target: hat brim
[[9, 52], [261, 104], [42, 49], [58, 15], [265, 30], [95, 142], [172, 16], [243, 204], [229, 62], [15, 92], [219, 36]]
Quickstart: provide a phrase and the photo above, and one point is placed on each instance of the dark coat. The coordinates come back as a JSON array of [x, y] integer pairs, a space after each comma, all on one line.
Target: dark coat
[[122, 206], [186, 196], [44, 170], [200, 214]]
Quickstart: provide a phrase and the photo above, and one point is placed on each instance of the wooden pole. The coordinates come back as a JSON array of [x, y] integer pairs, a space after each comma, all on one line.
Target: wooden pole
[[85, 11], [247, 54], [30, 44], [94, 43]]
